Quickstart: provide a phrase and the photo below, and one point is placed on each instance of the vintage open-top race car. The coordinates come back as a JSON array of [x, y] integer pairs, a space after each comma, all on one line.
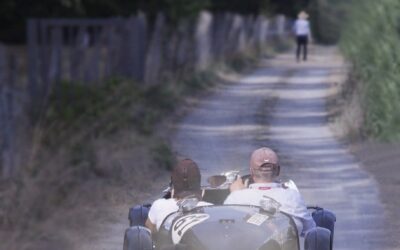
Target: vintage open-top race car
[[220, 226]]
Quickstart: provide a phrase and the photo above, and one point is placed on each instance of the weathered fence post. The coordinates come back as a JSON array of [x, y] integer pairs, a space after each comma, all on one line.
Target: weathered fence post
[[203, 40], [280, 25], [218, 36], [241, 38], [33, 68], [261, 33], [55, 64], [73, 55], [170, 53], [154, 58], [111, 40], [250, 29], [233, 35], [81, 45], [7, 68], [139, 46], [124, 48], [92, 66], [227, 27], [184, 51], [44, 58]]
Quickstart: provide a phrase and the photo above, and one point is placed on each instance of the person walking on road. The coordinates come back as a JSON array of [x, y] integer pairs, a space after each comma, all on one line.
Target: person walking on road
[[303, 34]]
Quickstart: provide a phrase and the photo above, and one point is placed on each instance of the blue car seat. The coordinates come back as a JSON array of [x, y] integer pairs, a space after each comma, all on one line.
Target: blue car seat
[[138, 215], [325, 221]]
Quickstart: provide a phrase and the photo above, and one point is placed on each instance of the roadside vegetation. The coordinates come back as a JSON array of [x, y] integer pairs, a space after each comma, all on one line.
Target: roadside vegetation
[[98, 146], [94, 146], [368, 34], [328, 18], [371, 42]]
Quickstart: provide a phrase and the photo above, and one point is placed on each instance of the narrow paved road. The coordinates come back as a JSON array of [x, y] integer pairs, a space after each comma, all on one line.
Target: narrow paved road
[[282, 104]]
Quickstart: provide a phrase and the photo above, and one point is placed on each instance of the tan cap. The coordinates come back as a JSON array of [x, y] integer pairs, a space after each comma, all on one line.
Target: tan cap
[[261, 156], [186, 177], [303, 15]]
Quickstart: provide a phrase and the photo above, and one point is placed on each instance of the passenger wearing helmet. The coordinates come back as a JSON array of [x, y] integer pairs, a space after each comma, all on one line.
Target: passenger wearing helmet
[[185, 180], [264, 168]]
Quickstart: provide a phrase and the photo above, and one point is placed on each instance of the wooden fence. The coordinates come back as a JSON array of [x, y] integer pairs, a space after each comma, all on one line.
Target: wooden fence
[[7, 113], [89, 51]]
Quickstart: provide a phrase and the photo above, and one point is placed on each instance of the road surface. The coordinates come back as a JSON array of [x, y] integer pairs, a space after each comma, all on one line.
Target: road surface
[[282, 104]]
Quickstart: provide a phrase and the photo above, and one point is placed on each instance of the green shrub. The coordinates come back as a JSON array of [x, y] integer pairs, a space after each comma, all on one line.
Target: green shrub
[[328, 18], [163, 156], [371, 42]]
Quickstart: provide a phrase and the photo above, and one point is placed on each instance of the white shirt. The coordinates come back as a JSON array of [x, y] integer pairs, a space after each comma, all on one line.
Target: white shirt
[[290, 199], [302, 27], [161, 208]]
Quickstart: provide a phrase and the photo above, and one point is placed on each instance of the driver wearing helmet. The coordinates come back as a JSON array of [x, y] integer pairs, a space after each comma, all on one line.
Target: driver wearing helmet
[[264, 168], [185, 179]]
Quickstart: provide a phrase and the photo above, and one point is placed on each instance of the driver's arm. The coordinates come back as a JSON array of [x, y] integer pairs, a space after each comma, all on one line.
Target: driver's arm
[[237, 185], [151, 226], [153, 215]]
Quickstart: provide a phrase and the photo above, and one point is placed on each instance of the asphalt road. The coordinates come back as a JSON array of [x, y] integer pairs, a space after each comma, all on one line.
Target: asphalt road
[[282, 104]]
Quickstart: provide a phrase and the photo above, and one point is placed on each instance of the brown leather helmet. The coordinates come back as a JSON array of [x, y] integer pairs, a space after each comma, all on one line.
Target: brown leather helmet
[[186, 179]]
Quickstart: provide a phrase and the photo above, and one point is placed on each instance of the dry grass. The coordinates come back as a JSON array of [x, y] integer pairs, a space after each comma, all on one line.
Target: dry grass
[[81, 165], [344, 105], [78, 166], [63, 194]]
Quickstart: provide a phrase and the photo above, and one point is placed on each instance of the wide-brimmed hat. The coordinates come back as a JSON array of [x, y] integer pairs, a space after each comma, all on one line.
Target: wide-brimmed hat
[[303, 15]]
